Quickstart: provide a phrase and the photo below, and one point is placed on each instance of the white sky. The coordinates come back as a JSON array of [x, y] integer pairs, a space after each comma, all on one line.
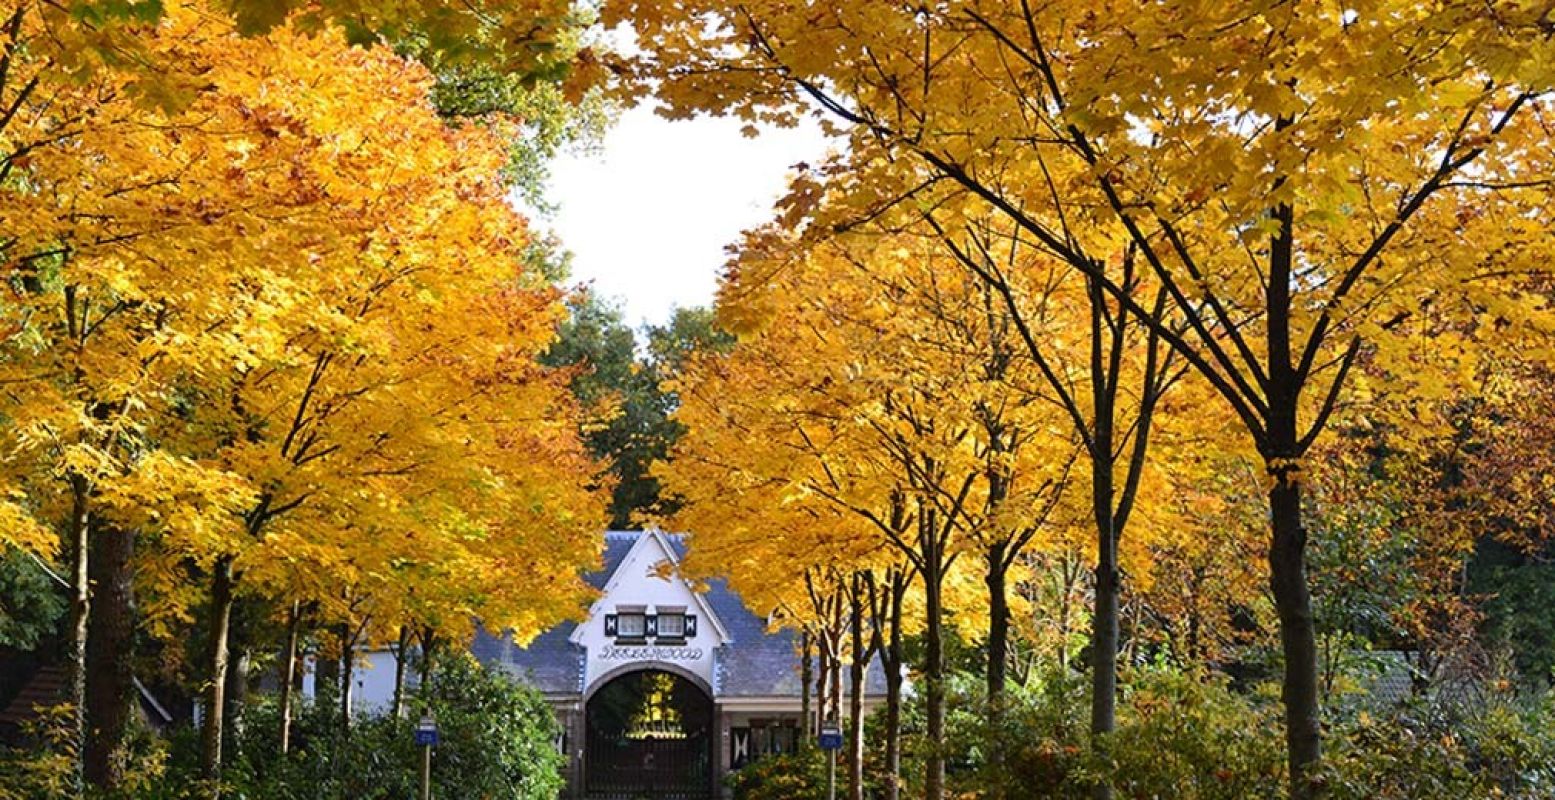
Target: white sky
[[647, 217]]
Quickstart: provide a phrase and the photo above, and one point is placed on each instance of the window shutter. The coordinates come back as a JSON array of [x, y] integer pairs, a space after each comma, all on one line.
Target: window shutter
[[610, 625], [651, 625], [739, 747], [691, 625]]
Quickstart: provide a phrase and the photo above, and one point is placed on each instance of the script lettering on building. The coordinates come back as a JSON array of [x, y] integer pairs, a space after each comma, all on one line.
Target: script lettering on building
[[650, 653]]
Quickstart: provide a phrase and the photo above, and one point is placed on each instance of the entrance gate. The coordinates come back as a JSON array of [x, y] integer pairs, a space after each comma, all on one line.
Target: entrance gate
[[649, 735]]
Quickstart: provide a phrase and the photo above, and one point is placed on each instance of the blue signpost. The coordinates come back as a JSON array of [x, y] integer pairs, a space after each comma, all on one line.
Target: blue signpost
[[426, 737], [831, 742], [426, 732]]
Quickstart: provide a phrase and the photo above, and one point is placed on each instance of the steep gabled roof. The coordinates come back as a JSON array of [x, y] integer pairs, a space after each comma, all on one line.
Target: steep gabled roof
[[754, 661], [672, 546]]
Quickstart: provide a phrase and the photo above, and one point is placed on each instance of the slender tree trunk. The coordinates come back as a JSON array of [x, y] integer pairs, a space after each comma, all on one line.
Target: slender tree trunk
[[216, 675], [239, 670], [998, 629], [822, 664], [289, 673], [934, 656], [1293, 602], [806, 674], [1288, 538], [998, 655], [1195, 586], [110, 680], [934, 687], [1104, 622], [1104, 641], [856, 675], [77, 541], [428, 652], [401, 656], [347, 676], [893, 690], [836, 679]]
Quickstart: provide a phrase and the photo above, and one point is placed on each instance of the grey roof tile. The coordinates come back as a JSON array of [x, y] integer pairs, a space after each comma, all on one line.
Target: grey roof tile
[[550, 663]]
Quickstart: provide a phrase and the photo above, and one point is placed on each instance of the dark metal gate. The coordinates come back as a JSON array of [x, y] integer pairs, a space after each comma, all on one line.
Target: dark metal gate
[[649, 737]]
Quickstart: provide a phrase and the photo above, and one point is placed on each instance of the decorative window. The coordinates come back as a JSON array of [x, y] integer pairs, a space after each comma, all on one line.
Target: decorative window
[[632, 625], [629, 623], [672, 625]]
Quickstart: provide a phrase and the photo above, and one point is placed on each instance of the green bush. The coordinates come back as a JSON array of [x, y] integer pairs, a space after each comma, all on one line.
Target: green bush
[[497, 741], [1503, 747], [1188, 736], [45, 768], [793, 776], [1191, 736]]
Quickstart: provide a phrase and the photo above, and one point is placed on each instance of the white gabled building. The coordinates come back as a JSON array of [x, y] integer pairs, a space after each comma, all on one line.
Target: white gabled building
[[662, 690]]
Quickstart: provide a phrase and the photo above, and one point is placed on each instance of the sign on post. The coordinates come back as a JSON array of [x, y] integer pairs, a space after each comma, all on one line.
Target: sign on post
[[426, 732], [831, 742], [831, 736]]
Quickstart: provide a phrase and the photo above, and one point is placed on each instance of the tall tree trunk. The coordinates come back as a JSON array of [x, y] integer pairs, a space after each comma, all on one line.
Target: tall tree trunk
[[1293, 602], [892, 661], [216, 675], [77, 541], [995, 577], [934, 683], [1288, 538], [401, 656], [856, 675], [428, 652], [347, 676], [1104, 640], [1066, 587], [806, 674], [289, 673], [1104, 623], [821, 667], [836, 679], [239, 670], [110, 679]]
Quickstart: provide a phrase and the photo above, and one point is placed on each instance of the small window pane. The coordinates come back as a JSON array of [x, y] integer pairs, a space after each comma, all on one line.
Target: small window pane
[[672, 625], [631, 625]]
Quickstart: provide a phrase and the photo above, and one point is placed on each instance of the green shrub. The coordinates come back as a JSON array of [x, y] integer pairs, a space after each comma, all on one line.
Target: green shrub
[[792, 776], [1188, 736], [497, 741], [1503, 747], [1191, 736]]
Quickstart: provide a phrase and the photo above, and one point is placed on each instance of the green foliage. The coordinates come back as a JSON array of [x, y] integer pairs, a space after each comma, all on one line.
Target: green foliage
[[1500, 748], [45, 769], [1191, 736], [31, 602], [1179, 735], [1187, 735], [792, 776], [551, 123], [614, 375], [1520, 592], [498, 741]]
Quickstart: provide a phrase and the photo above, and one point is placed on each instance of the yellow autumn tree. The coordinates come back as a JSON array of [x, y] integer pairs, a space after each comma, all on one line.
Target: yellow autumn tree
[[1296, 177], [875, 406], [291, 291]]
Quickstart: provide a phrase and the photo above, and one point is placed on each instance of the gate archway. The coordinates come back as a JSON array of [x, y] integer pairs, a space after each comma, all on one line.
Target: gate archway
[[649, 734]]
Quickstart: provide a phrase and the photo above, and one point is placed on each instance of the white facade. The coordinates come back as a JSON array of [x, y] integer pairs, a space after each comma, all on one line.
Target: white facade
[[738, 681], [646, 583]]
